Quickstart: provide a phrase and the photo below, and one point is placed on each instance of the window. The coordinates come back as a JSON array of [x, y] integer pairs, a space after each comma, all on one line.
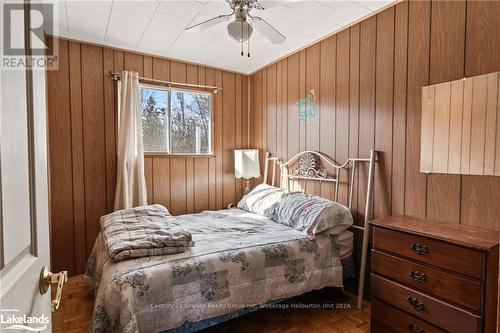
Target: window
[[176, 121]]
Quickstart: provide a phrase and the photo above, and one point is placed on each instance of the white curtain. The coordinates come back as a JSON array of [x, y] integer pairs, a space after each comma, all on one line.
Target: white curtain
[[131, 184]]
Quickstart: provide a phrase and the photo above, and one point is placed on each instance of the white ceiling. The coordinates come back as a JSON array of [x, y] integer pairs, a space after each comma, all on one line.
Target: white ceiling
[[157, 27]]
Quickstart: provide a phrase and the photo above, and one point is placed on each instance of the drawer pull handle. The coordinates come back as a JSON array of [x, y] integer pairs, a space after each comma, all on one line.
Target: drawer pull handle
[[415, 303], [419, 248], [418, 276], [416, 329]]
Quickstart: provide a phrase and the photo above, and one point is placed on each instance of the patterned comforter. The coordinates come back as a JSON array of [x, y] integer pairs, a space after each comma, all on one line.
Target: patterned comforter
[[239, 259]]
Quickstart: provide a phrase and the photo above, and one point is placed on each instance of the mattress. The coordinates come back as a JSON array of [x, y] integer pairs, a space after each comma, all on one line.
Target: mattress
[[345, 242], [239, 259]]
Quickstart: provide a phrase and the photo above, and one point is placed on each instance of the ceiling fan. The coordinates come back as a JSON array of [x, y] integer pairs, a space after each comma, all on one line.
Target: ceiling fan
[[242, 23]]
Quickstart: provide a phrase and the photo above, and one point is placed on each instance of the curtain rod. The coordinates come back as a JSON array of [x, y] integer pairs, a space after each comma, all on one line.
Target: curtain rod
[[116, 77]]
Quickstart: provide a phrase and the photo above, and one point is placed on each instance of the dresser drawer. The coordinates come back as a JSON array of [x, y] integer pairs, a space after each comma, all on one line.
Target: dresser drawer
[[391, 319], [439, 313], [441, 254], [443, 285]]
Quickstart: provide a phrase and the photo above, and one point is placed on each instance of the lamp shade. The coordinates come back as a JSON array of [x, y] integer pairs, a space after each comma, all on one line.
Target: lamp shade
[[246, 163]]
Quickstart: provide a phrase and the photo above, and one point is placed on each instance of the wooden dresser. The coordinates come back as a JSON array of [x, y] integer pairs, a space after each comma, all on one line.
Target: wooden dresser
[[429, 277]]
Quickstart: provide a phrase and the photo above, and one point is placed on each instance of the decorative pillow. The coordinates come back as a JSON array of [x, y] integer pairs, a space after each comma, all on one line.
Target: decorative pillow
[[312, 214], [262, 199]]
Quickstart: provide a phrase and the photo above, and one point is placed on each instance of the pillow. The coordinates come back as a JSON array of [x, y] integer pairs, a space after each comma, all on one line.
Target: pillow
[[312, 214], [262, 199]]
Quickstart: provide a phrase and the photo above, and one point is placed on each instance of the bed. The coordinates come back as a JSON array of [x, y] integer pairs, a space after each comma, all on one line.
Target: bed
[[239, 260]]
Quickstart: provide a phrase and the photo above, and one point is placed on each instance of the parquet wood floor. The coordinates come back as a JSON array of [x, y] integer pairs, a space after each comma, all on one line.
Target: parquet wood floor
[[338, 316]]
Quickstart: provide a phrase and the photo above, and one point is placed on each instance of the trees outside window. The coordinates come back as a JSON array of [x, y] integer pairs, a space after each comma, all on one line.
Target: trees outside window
[[176, 121]]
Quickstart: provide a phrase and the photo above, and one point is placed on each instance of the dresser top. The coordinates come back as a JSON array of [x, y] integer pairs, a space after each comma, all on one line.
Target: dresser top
[[454, 233]]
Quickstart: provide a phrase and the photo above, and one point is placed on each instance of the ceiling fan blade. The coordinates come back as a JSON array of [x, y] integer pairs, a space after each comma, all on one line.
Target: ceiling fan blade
[[209, 23], [265, 4], [267, 30]]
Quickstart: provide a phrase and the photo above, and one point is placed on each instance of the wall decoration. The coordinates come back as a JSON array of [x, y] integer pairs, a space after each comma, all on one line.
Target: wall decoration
[[307, 107], [459, 129]]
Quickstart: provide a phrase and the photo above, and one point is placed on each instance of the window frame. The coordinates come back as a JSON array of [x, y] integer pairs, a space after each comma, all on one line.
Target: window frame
[[211, 131]]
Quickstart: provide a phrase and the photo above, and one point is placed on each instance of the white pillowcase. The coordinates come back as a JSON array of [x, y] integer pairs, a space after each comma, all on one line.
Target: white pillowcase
[[312, 214], [262, 199], [307, 213]]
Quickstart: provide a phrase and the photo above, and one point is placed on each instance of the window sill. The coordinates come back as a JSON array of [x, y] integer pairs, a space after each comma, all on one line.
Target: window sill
[[167, 155]]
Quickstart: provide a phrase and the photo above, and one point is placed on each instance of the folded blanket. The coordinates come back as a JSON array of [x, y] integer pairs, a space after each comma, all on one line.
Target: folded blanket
[[142, 232]]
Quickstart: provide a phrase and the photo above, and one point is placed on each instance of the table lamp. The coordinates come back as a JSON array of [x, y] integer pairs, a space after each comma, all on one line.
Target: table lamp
[[246, 165]]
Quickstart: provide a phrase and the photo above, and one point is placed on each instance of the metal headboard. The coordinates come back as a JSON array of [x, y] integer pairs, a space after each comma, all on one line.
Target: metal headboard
[[309, 169]]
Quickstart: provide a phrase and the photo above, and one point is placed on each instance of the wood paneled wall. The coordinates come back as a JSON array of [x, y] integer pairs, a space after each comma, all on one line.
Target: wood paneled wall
[[82, 145], [368, 80]]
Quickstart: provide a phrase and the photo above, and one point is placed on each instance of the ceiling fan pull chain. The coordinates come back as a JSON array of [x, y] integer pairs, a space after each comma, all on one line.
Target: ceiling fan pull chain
[[248, 47], [242, 38]]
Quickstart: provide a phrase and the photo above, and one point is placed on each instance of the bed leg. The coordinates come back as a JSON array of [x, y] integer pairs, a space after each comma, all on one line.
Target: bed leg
[[366, 231]]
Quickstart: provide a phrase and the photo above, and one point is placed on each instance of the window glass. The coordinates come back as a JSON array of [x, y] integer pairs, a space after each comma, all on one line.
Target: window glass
[[176, 121], [154, 104], [190, 127]]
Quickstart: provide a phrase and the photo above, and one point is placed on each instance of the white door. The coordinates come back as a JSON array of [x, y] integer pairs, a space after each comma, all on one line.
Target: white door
[[24, 225]]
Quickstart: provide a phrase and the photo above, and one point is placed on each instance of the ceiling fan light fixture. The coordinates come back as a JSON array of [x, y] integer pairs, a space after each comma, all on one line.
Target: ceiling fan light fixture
[[239, 31]]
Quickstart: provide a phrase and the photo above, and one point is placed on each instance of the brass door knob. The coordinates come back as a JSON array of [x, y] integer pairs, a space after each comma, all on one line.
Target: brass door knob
[[47, 279]]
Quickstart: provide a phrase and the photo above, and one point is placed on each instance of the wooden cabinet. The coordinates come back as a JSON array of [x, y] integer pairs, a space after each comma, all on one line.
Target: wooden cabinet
[[433, 277]]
